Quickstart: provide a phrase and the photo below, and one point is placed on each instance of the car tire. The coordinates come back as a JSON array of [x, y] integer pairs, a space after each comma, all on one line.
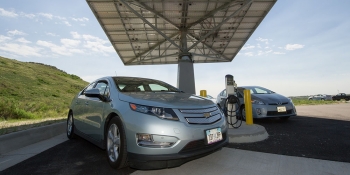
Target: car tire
[[70, 126], [284, 118], [310, 98], [242, 113], [322, 99], [116, 144]]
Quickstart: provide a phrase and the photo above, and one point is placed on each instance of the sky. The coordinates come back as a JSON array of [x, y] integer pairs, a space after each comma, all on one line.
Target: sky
[[300, 48]]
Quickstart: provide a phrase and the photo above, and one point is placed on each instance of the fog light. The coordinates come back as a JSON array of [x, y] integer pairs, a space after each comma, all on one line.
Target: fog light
[[146, 140], [258, 111], [144, 137]]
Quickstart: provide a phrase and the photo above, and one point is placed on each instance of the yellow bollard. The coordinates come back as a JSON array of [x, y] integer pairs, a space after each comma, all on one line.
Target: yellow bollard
[[203, 93], [248, 107]]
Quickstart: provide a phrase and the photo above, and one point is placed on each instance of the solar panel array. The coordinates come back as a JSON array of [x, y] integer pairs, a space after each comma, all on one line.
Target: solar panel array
[[147, 32]]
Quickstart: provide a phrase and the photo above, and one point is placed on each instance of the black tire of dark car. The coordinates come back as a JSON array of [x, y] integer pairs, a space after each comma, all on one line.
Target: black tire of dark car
[[116, 143], [242, 113], [70, 126]]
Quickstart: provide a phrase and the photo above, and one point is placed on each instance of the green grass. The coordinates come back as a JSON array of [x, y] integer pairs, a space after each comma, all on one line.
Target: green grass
[[35, 91], [304, 101]]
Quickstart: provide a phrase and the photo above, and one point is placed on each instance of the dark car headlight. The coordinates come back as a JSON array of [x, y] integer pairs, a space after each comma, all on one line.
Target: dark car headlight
[[163, 113], [257, 102]]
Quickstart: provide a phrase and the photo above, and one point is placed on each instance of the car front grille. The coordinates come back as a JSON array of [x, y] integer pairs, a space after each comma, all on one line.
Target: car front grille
[[284, 103], [200, 144], [274, 113], [203, 116]]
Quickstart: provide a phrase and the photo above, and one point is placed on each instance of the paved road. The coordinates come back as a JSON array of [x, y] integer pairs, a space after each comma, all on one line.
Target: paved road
[[316, 135], [320, 132]]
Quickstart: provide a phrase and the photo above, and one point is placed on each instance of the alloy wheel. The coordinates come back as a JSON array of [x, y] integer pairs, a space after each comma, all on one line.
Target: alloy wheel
[[70, 125], [113, 142]]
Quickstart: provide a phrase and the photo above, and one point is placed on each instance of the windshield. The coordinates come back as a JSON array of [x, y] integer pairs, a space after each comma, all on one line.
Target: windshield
[[131, 84], [258, 90]]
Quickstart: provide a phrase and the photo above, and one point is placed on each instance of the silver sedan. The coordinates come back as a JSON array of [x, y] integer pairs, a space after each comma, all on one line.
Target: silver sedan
[[265, 103], [145, 123]]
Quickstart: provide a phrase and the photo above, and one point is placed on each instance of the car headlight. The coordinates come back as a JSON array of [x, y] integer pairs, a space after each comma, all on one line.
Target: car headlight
[[257, 102], [163, 113]]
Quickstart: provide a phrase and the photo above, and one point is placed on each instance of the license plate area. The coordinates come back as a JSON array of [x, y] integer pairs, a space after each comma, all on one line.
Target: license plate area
[[213, 135], [281, 109]]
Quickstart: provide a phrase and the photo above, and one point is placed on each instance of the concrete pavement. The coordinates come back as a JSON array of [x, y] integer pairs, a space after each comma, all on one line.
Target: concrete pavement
[[235, 161]]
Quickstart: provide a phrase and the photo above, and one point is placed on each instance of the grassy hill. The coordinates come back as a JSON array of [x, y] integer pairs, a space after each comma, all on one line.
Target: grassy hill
[[35, 91]]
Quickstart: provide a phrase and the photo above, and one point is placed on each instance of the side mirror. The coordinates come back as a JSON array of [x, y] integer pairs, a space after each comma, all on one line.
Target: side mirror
[[92, 93], [96, 93]]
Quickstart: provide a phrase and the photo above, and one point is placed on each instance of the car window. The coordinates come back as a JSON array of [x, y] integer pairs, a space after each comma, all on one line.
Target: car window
[[157, 87], [102, 87], [224, 93], [259, 90], [239, 94], [90, 86], [130, 84]]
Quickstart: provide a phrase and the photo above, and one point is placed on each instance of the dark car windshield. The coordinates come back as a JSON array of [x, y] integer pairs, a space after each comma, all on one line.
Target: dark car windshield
[[258, 90], [131, 84]]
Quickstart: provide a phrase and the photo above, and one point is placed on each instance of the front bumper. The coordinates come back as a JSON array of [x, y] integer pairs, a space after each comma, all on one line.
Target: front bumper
[[191, 151], [270, 111]]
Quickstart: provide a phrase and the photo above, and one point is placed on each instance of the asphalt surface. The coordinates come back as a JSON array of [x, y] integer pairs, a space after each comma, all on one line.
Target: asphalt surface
[[312, 134], [73, 157], [303, 136]]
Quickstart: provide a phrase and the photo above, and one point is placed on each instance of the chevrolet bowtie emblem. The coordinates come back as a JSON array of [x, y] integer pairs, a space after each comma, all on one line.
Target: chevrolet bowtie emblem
[[207, 114]]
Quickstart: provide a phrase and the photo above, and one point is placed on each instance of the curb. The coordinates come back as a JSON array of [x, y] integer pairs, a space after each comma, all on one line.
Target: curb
[[247, 134], [13, 141]]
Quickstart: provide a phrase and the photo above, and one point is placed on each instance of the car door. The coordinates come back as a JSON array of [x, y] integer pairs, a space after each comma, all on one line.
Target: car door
[[94, 116], [80, 108]]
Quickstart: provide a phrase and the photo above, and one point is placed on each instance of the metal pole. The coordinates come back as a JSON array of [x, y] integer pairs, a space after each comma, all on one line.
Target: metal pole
[[248, 107]]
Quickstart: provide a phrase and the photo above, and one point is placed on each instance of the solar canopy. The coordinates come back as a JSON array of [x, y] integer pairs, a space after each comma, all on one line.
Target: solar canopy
[[147, 32]]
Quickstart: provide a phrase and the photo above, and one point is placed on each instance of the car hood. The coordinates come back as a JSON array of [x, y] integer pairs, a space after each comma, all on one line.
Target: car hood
[[270, 98], [166, 99]]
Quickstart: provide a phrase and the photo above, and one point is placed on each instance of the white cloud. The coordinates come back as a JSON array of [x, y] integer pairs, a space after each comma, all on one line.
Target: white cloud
[[60, 17], [28, 15], [80, 19], [279, 53], [70, 42], [51, 34], [6, 13], [98, 47], [22, 40], [266, 41], [249, 54], [75, 35], [293, 46], [22, 50], [76, 51], [248, 47], [264, 52], [4, 38], [46, 15], [67, 23], [94, 38], [54, 48], [15, 32]]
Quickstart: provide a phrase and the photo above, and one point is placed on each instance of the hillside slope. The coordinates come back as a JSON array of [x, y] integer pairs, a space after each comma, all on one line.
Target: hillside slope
[[34, 90]]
